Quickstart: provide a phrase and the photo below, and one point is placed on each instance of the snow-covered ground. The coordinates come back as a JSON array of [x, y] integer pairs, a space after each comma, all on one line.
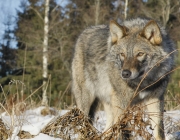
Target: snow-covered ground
[[33, 122]]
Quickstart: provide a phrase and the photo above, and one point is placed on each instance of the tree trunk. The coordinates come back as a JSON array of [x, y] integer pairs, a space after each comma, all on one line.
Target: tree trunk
[[125, 9], [97, 5], [45, 54]]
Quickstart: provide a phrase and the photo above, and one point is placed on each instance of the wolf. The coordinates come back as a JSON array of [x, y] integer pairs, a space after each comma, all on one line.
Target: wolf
[[121, 65]]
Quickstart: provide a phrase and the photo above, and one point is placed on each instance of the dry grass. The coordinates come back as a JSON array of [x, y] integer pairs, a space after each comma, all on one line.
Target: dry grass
[[72, 123], [4, 132], [75, 125], [134, 122]]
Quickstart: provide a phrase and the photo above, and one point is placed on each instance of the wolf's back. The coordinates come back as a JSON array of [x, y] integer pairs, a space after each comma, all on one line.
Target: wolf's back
[[91, 48], [93, 42]]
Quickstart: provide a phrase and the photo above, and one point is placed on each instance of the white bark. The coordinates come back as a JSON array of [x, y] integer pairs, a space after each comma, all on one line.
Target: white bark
[[125, 9], [97, 5], [45, 53]]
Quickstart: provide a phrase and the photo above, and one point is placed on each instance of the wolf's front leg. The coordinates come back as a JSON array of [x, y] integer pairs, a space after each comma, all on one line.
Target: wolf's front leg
[[155, 108], [84, 99], [109, 115], [113, 112]]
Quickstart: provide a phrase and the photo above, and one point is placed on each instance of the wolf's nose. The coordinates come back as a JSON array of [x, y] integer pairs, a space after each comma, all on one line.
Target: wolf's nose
[[126, 73]]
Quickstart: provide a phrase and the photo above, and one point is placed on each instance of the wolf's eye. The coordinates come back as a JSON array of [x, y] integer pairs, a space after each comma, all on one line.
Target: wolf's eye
[[122, 54], [140, 54]]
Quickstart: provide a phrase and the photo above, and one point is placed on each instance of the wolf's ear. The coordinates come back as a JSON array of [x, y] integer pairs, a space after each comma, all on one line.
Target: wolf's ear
[[117, 31], [152, 32]]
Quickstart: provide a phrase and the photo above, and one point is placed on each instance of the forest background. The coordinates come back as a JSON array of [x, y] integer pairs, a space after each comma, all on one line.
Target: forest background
[[39, 65]]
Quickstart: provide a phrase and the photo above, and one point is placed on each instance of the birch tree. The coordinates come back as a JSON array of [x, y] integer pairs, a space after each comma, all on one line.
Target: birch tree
[[45, 53], [125, 9], [97, 6]]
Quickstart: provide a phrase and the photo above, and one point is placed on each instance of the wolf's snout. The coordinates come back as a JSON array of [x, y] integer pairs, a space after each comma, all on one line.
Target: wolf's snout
[[126, 73]]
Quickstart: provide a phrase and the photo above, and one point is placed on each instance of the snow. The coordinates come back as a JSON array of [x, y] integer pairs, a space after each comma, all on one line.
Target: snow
[[36, 125], [33, 122], [172, 125], [43, 137]]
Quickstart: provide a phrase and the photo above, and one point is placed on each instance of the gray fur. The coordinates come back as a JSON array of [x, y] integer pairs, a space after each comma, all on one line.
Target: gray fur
[[110, 61]]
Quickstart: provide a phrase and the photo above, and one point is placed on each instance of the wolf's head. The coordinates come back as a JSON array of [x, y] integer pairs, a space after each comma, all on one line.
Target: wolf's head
[[138, 46]]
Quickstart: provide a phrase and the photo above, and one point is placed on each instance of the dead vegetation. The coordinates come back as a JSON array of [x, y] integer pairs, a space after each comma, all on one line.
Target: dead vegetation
[[72, 123], [3, 131], [137, 125], [75, 125]]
